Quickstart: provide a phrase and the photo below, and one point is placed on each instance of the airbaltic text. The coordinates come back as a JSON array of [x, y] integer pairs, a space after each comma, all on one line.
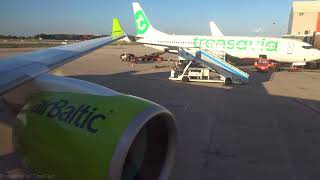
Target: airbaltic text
[[83, 116]]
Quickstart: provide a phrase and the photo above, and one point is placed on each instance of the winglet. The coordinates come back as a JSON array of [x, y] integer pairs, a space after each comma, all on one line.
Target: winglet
[[117, 29]]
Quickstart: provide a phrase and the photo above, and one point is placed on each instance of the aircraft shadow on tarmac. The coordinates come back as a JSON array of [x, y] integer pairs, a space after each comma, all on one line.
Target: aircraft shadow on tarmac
[[234, 132]]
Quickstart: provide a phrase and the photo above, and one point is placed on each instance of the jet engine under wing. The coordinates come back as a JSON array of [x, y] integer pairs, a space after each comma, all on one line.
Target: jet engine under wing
[[17, 70]]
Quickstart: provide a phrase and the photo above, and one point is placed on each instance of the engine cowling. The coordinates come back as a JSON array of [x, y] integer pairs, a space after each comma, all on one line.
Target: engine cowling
[[88, 136]]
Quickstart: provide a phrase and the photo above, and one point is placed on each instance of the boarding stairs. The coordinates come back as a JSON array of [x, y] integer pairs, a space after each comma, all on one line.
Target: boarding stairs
[[216, 63]]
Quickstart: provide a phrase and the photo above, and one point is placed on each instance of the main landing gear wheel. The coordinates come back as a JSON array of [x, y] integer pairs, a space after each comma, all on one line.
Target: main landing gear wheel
[[185, 79], [228, 81]]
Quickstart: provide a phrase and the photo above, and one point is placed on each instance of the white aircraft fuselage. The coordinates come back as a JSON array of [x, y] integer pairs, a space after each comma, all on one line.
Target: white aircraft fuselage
[[278, 49]]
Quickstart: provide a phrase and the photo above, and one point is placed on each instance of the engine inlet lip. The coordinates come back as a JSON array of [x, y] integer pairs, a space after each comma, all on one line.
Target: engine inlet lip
[[127, 138]]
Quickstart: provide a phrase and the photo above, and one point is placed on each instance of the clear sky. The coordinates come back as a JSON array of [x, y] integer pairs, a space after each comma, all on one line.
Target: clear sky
[[234, 17]]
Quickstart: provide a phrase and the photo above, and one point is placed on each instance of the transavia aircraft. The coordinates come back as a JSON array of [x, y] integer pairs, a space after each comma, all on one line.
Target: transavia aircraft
[[74, 129], [279, 49]]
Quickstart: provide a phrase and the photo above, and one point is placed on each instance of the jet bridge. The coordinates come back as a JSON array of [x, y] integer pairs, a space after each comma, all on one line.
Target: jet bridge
[[217, 63]]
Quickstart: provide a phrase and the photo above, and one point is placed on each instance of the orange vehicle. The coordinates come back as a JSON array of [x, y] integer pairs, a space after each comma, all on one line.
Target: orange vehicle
[[263, 65]]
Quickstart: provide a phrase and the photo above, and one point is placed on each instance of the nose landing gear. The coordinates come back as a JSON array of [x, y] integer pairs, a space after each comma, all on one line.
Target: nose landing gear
[[294, 68]]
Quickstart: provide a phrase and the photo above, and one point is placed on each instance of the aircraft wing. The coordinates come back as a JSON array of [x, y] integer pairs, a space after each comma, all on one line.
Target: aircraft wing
[[17, 70]]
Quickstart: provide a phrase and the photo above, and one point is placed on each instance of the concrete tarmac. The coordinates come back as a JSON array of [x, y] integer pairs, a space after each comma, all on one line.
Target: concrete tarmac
[[267, 129]]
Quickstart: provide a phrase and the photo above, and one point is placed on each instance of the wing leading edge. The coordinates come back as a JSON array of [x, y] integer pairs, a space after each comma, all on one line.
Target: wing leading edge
[[17, 70]]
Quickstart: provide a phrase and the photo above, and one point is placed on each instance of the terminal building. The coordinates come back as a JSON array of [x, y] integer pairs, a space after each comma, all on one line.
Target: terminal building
[[304, 18], [304, 22]]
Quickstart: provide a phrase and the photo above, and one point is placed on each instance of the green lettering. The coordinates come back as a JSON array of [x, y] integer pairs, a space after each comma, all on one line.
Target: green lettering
[[230, 44], [250, 45], [242, 45], [195, 42], [201, 40], [208, 42], [221, 43], [272, 46], [262, 42]]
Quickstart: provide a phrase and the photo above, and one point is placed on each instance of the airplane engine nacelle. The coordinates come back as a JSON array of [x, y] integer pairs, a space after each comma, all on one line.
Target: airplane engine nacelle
[[87, 136]]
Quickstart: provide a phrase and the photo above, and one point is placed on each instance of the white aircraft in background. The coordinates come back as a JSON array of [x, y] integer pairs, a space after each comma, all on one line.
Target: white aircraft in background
[[215, 31], [281, 50]]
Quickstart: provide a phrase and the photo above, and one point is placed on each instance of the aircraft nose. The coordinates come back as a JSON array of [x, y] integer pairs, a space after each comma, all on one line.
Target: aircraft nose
[[314, 54], [317, 55]]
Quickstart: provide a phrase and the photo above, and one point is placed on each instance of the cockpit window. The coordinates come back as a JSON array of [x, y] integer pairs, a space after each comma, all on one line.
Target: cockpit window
[[307, 47]]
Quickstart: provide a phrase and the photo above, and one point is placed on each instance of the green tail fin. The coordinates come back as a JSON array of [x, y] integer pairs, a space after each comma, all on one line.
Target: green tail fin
[[117, 29]]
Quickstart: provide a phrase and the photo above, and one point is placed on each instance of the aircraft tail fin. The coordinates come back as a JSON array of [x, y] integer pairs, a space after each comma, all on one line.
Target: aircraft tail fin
[[215, 31], [117, 30], [143, 25]]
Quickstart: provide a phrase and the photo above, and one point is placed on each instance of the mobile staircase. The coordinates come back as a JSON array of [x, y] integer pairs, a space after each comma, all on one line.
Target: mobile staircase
[[217, 63]]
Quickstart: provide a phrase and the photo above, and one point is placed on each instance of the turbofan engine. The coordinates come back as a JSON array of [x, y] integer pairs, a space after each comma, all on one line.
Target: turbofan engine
[[74, 129]]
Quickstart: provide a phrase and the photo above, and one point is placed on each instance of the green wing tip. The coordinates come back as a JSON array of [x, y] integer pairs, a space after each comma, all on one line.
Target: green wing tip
[[117, 29]]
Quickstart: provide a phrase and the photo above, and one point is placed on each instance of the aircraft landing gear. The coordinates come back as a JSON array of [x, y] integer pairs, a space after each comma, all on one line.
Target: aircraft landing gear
[[294, 68], [228, 81]]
